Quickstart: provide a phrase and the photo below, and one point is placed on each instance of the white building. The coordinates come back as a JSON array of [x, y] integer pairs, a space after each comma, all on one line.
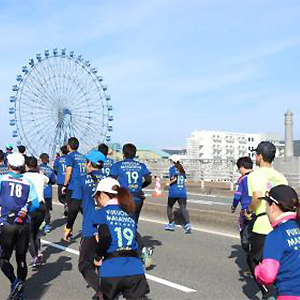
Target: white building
[[227, 145]]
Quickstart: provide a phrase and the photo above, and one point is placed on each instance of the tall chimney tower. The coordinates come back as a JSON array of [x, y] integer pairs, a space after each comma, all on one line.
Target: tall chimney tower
[[288, 122]]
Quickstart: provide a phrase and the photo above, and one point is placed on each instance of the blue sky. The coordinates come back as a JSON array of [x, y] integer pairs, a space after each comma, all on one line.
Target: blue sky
[[170, 66]]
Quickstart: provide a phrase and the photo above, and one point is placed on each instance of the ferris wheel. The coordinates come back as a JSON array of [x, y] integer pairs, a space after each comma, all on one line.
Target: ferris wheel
[[60, 95]]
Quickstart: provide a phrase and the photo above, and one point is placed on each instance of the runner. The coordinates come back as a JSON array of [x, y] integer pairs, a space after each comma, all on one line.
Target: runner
[[134, 176], [22, 150], [281, 259], [121, 269], [60, 170], [49, 172], [109, 161], [9, 150], [94, 165], [18, 197], [260, 181], [75, 172], [37, 217], [241, 196], [3, 166], [177, 193]]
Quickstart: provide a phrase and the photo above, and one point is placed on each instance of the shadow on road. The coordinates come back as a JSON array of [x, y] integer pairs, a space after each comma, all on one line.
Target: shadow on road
[[58, 223], [250, 288], [38, 284]]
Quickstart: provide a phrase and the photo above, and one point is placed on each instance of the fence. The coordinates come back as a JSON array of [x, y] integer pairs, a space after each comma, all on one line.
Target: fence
[[204, 170]]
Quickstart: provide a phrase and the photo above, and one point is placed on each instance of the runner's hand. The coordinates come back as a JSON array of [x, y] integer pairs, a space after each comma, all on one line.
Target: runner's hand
[[248, 215], [63, 190], [98, 263]]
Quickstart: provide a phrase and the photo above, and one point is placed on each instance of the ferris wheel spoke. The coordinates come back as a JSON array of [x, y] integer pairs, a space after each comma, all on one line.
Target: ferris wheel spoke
[[30, 91], [49, 78], [33, 91], [41, 78]]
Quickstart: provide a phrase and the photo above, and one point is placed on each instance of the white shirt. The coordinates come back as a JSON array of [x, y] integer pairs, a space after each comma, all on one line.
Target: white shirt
[[39, 181]]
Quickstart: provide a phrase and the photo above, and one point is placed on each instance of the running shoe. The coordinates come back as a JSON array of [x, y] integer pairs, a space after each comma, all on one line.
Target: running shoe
[[67, 234], [170, 227], [146, 256], [47, 229], [20, 295], [187, 228], [42, 226], [36, 261], [15, 288]]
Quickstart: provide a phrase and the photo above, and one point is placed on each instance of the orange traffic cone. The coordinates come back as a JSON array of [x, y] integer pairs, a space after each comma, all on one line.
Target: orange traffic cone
[[157, 191]]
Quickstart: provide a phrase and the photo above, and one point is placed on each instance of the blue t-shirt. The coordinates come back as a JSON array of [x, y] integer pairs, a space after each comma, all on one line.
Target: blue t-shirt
[[241, 192], [60, 168], [130, 174], [3, 169], [49, 172], [16, 192], [283, 245], [123, 230], [177, 189], [107, 166], [89, 184], [77, 162]]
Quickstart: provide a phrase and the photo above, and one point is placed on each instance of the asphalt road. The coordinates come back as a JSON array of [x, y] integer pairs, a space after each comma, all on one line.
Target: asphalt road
[[203, 265]]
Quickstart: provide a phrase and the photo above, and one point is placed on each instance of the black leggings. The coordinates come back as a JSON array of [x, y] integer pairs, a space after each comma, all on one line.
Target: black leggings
[[254, 258], [61, 196], [16, 237], [74, 206], [86, 264], [37, 219], [138, 208], [182, 205]]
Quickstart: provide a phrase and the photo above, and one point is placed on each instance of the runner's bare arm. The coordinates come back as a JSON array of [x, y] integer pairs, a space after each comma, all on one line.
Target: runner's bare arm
[[255, 201]]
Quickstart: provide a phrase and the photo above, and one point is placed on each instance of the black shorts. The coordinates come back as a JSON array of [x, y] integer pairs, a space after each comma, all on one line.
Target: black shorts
[[173, 200], [131, 287]]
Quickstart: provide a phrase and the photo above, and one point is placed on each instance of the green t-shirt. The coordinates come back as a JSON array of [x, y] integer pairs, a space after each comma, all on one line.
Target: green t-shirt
[[262, 180]]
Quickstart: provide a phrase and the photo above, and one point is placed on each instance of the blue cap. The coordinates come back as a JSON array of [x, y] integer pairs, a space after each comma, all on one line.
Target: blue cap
[[95, 157]]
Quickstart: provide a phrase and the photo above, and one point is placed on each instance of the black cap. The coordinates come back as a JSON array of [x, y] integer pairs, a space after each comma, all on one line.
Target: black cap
[[284, 196], [265, 148]]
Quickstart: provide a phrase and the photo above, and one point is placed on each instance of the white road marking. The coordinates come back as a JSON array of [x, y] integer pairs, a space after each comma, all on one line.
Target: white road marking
[[170, 284], [196, 201], [148, 276]]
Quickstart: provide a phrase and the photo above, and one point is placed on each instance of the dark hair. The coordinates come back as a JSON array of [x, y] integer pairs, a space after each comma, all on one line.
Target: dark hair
[[21, 149], [129, 150], [103, 149], [19, 169], [124, 198], [73, 143], [179, 167], [245, 162], [1, 155], [44, 157], [98, 166], [31, 162], [64, 150]]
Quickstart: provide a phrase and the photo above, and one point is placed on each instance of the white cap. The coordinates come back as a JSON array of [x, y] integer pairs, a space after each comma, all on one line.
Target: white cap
[[16, 159], [175, 158], [107, 185]]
